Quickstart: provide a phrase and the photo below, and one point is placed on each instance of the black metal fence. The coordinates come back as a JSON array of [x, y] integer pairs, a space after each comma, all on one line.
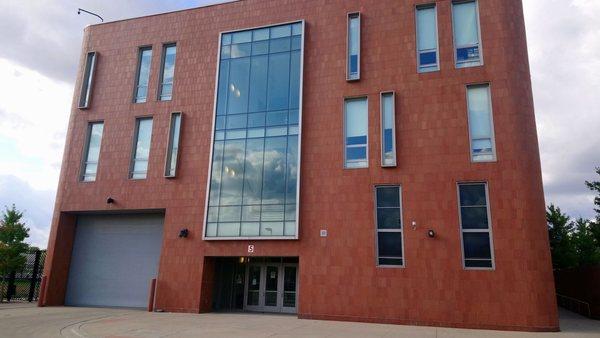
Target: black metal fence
[[24, 285]]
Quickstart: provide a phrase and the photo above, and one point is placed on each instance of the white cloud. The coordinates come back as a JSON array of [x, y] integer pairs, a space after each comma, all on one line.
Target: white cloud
[[564, 45], [34, 114]]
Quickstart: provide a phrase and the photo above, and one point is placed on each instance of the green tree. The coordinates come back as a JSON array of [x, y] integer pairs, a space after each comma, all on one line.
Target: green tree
[[561, 243], [12, 246], [595, 226], [586, 246]]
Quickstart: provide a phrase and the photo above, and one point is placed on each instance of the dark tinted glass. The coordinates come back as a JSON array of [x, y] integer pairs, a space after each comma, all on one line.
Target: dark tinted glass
[[472, 194], [388, 197], [388, 218], [390, 244], [390, 261], [471, 263], [474, 217], [477, 245]]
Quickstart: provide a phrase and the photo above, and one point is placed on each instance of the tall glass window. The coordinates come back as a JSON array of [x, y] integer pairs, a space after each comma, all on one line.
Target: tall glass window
[[467, 44], [356, 126], [91, 153], [388, 130], [388, 206], [255, 158], [173, 146], [475, 225], [165, 87], [141, 148], [88, 78], [427, 40], [143, 74], [481, 127], [353, 58]]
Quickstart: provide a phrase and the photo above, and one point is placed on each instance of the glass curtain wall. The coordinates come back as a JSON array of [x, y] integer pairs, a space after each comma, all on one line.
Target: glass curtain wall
[[254, 175]]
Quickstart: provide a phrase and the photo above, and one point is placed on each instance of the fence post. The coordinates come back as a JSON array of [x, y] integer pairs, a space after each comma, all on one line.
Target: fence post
[[11, 286], [34, 275]]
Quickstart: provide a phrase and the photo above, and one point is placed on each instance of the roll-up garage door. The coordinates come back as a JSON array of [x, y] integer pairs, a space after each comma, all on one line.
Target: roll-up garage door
[[114, 259]]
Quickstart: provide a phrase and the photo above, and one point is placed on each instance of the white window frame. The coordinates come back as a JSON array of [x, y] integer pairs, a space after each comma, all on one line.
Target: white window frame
[[159, 96], [134, 148], [349, 76], [170, 142], [136, 87], [87, 80], [488, 230], [377, 230], [346, 161], [86, 150], [467, 64], [493, 133], [437, 40], [382, 121], [212, 140]]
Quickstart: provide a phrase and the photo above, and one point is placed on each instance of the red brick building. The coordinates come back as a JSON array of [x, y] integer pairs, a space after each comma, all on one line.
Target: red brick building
[[350, 160]]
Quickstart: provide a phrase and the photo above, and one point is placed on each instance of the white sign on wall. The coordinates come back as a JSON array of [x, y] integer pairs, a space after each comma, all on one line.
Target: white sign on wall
[[251, 248]]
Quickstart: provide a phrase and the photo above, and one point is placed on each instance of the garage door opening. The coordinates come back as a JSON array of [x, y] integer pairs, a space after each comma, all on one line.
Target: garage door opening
[[261, 284], [114, 258]]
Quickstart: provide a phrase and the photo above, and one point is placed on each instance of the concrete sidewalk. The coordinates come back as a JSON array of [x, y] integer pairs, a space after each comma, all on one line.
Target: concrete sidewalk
[[17, 320]]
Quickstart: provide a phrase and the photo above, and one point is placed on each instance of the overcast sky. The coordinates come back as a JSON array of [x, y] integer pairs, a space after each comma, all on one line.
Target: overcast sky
[[40, 45]]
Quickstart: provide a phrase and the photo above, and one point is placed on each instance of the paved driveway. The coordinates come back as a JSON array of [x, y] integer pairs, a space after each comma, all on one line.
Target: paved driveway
[[26, 321]]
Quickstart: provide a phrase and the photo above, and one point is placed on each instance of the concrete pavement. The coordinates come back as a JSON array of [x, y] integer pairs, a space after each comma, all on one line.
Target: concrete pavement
[[19, 320]]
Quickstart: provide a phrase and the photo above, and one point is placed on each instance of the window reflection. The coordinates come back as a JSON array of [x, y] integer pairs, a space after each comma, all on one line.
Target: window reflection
[[253, 185]]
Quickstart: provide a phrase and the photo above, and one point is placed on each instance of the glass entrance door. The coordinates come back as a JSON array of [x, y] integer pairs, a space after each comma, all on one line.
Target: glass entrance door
[[271, 287]]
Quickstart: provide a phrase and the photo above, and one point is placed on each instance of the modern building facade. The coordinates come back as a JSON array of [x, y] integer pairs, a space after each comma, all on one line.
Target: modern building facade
[[350, 160]]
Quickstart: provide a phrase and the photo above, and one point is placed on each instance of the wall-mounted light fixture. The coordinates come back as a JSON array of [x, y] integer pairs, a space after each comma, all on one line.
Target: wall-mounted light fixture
[[110, 200], [183, 233], [431, 233]]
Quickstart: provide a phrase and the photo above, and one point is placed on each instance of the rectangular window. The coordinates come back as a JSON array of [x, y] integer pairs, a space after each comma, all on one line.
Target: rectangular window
[[173, 146], [388, 206], [143, 74], [353, 57], [165, 87], [86, 82], [475, 225], [91, 153], [427, 40], [388, 129], [465, 23], [141, 148], [481, 126], [254, 173], [356, 126]]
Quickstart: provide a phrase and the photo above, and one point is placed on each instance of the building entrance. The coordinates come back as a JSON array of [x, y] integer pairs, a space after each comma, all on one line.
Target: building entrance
[[260, 284]]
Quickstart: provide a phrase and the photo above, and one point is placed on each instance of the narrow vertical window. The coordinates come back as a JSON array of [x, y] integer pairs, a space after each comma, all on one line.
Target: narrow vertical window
[[388, 130], [143, 74], [475, 225], [173, 146], [141, 148], [165, 87], [388, 209], [356, 120], [481, 127], [91, 152], [353, 57], [86, 82], [427, 40], [467, 44]]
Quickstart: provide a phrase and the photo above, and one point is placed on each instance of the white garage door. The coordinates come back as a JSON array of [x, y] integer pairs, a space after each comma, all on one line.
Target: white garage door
[[114, 259]]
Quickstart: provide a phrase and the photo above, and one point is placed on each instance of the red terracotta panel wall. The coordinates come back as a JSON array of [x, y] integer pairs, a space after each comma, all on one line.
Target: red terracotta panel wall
[[338, 275]]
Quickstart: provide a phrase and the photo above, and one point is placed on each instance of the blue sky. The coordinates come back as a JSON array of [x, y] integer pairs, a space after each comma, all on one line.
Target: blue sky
[[41, 45]]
